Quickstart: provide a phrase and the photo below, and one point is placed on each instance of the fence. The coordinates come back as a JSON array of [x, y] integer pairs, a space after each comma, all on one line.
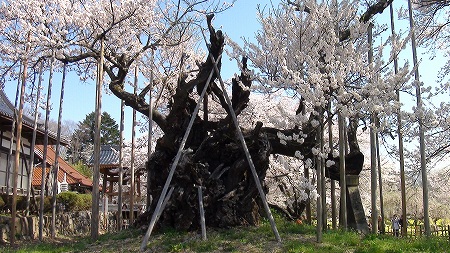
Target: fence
[[419, 230]]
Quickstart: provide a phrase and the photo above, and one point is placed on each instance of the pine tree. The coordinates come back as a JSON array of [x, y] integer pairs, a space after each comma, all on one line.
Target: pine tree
[[83, 137]]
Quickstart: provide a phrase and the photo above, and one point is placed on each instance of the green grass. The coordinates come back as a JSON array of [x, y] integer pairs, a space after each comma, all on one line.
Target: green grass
[[295, 238]]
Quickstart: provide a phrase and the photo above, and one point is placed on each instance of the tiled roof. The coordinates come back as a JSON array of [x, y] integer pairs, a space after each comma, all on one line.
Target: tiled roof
[[7, 109], [109, 155], [7, 116], [73, 176]]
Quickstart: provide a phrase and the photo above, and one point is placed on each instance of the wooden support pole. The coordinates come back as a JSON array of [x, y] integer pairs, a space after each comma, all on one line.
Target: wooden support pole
[[33, 141], [319, 209], [150, 126], [308, 201], [247, 153], [57, 151], [17, 149], [380, 182], [420, 116], [166, 199], [11, 140], [159, 205], [104, 202], [342, 178], [333, 182], [111, 188], [120, 197], [44, 155], [373, 151], [324, 180], [202, 211], [97, 144], [133, 144]]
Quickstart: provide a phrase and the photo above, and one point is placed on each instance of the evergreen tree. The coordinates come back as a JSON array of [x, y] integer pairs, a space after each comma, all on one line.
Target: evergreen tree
[[82, 141]]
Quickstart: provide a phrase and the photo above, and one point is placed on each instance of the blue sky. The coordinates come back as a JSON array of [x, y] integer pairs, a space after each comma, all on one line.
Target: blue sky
[[237, 22]]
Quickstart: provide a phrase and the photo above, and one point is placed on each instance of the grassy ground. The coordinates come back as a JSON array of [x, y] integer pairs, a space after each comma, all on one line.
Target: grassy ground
[[295, 238]]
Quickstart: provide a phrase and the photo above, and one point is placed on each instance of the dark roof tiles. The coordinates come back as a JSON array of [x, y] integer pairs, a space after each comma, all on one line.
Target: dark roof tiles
[[73, 176], [7, 109], [109, 155]]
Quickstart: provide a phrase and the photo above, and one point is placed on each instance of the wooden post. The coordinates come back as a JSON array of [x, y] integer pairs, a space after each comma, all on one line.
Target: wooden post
[[56, 164], [97, 143], [11, 140], [202, 212], [342, 178], [380, 181], [333, 182], [105, 182], [44, 155], [17, 149], [166, 199], [319, 209], [247, 153], [150, 127], [400, 138], [133, 137], [111, 189], [308, 201], [423, 162], [373, 151], [120, 199], [33, 141], [330, 138], [323, 179]]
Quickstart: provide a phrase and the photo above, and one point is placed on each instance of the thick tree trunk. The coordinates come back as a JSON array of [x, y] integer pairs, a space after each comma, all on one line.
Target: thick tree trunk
[[219, 165], [214, 157]]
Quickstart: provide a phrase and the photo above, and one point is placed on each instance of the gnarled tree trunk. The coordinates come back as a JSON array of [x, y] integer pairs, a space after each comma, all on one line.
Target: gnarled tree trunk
[[214, 157]]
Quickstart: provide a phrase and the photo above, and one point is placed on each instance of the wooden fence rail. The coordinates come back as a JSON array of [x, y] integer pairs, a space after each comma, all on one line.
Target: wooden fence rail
[[417, 231]]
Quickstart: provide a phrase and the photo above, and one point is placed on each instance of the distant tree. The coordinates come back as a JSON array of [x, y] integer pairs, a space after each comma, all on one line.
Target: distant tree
[[83, 169], [82, 139], [67, 127]]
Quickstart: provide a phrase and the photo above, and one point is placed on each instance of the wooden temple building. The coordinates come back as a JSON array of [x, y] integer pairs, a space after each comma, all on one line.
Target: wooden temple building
[[66, 173], [7, 151], [109, 170]]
